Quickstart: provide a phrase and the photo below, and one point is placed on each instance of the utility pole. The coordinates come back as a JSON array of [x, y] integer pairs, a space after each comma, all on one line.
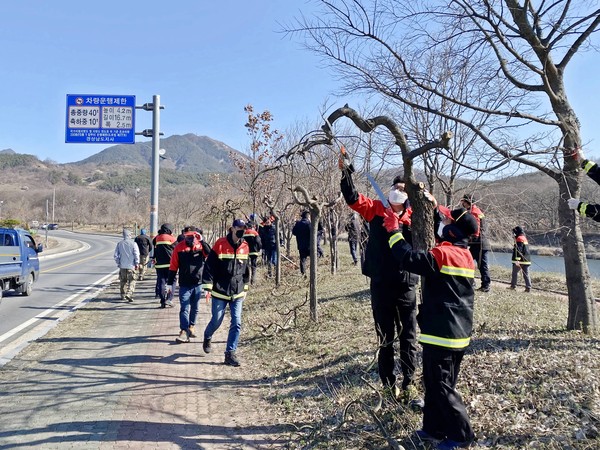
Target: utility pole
[[155, 133]]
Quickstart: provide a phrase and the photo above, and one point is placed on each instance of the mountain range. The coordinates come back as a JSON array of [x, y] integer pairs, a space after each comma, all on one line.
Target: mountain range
[[188, 153]]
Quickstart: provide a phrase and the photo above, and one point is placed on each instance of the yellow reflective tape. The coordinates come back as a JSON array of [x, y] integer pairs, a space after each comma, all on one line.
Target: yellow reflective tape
[[444, 342], [254, 253], [162, 266], [396, 237], [582, 208], [164, 243], [207, 286], [228, 297], [458, 271], [588, 166], [232, 256]]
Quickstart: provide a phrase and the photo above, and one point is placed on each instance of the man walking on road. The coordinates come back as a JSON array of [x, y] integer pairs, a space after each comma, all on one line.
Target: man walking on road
[[188, 258], [145, 246], [127, 257], [226, 275], [163, 243]]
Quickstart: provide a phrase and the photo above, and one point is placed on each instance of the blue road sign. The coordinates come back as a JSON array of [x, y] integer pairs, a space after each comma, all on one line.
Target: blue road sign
[[100, 119]]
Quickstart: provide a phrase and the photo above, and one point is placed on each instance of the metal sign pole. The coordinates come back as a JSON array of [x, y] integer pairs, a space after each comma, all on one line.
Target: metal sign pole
[[155, 166]]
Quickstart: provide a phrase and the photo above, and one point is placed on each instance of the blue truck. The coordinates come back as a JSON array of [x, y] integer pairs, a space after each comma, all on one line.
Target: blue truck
[[19, 262]]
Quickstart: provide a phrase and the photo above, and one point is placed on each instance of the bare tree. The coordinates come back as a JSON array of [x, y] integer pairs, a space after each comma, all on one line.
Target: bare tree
[[516, 53]]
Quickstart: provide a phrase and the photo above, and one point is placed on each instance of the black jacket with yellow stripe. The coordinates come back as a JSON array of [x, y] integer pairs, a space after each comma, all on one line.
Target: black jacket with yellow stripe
[[586, 209], [163, 250], [226, 271], [446, 313]]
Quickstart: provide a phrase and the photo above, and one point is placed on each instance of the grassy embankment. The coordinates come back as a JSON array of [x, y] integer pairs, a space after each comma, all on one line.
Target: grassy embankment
[[527, 382]]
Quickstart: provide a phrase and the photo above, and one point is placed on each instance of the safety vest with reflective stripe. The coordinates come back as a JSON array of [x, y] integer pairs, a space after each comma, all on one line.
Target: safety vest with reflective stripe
[[163, 250]]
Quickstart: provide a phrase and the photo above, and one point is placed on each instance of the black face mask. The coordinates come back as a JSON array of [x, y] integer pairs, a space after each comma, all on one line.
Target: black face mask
[[189, 241], [239, 233]]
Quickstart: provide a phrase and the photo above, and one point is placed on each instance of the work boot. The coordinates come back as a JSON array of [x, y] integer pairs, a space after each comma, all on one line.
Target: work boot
[[423, 436], [512, 287], [206, 346], [484, 289], [527, 289], [183, 337], [192, 331], [231, 359]]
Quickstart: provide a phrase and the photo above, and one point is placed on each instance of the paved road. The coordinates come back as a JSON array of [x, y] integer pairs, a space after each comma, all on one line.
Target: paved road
[[70, 274], [111, 377]]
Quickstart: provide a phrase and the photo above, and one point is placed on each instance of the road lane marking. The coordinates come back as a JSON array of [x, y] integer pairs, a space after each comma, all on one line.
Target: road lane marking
[[13, 348], [74, 262]]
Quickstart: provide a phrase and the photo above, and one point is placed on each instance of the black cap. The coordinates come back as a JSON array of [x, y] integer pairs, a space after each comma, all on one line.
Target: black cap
[[465, 221]]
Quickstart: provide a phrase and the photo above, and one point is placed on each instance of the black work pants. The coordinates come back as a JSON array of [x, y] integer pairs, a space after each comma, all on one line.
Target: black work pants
[[394, 307], [304, 255], [253, 267], [162, 274], [444, 414]]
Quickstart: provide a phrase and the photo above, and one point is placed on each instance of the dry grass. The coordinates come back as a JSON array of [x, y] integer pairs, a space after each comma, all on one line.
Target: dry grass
[[526, 381]]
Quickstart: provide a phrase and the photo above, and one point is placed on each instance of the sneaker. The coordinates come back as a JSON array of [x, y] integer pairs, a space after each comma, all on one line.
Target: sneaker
[[206, 346], [192, 331], [183, 337], [169, 304], [527, 290], [449, 444], [231, 359], [512, 287], [162, 306], [130, 299], [484, 289]]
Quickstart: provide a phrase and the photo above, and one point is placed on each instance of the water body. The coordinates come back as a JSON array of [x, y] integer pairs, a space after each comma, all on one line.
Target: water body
[[554, 264]]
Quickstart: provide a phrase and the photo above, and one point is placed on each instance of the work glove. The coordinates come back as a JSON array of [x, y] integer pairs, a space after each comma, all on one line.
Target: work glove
[[430, 197], [390, 220], [573, 203], [578, 154]]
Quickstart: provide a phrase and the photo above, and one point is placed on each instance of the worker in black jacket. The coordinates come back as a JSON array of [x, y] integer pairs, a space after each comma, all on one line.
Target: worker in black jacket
[[393, 289], [163, 244], [446, 323], [302, 232], [252, 237], [586, 209]]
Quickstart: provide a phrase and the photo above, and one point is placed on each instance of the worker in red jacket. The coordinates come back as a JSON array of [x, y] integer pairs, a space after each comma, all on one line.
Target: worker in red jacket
[[393, 288], [188, 260]]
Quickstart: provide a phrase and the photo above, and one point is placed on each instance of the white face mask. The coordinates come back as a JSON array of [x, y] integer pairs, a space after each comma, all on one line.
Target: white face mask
[[440, 230]]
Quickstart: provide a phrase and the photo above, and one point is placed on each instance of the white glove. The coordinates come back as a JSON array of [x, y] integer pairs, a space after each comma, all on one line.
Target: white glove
[[573, 203], [430, 197]]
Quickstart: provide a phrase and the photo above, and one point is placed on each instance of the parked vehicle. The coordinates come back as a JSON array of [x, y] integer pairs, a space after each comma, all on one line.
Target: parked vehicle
[[53, 226], [19, 262]]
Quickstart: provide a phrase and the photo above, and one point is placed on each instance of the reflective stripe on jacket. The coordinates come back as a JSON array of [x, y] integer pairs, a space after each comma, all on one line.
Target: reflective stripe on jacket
[[226, 271], [446, 312]]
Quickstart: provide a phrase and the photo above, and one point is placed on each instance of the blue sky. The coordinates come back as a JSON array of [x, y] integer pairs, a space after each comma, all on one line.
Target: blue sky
[[206, 60]]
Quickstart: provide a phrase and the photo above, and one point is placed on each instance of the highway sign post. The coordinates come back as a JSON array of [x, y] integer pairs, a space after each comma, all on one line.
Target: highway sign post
[[100, 119]]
